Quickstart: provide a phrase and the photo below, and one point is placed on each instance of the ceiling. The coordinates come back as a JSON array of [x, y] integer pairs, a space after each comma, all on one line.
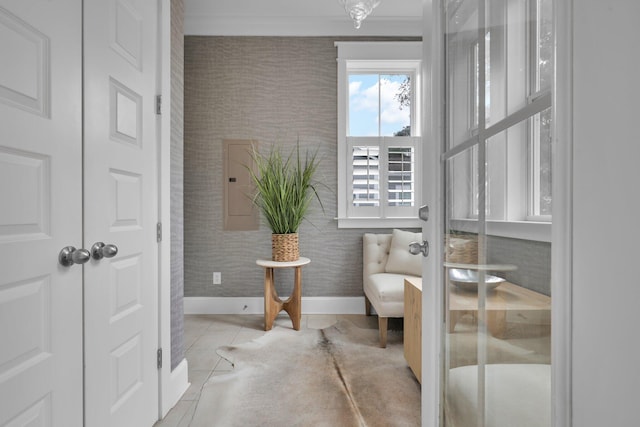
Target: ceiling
[[299, 18]]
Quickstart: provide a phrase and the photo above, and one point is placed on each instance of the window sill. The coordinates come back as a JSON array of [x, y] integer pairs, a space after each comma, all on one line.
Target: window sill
[[525, 230], [379, 223]]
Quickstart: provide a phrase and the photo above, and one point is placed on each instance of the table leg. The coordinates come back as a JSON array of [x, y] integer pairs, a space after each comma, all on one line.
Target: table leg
[[497, 322], [272, 303], [453, 319], [293, 306]]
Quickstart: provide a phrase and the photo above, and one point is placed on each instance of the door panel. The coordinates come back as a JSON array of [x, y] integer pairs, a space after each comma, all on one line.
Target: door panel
[[40, 209], [120, 205]]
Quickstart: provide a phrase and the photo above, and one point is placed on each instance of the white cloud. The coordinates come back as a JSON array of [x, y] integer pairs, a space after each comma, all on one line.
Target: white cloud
[[365, 99], [354, 88], [390, 107]]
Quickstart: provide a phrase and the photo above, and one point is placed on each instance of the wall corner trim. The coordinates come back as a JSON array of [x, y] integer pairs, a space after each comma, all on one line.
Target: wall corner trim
[[177, 385]]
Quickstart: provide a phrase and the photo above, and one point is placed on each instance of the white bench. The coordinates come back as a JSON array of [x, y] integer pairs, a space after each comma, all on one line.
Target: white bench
[[386, 263]]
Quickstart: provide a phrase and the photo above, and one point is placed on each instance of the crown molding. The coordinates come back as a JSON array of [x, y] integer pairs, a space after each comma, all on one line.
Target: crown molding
[[308, 26]]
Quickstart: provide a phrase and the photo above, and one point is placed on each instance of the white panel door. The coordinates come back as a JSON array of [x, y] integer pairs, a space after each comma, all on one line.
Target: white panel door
[[40, 209], [120, 208]]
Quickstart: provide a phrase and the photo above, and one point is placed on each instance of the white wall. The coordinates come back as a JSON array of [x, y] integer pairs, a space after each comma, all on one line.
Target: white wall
[[606, 201]]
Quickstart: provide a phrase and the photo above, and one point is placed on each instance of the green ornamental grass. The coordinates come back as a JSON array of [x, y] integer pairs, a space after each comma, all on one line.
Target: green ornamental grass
[[284, 187]]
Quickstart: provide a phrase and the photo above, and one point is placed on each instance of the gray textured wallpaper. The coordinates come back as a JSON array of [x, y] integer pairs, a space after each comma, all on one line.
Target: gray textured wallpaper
[[532, 258], [177, 169], [275, 90]]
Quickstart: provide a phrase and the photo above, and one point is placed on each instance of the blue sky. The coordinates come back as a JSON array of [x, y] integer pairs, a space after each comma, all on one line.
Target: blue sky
[[367, 98]]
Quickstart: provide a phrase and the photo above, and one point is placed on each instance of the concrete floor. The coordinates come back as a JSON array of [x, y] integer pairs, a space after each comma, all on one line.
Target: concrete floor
[[205, 333]]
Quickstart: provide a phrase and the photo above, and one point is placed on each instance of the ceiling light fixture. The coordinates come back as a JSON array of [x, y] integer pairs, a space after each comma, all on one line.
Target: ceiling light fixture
[[358, 10]]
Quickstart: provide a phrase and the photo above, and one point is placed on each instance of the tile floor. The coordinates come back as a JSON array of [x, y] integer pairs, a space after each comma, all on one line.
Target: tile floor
[[205, 333]]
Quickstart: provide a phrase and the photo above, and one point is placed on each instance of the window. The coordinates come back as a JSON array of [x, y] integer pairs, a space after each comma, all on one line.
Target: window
[[498, 77], [379, 141]]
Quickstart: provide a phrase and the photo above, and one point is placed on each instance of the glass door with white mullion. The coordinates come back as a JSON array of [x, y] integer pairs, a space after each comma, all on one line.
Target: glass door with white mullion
[[497, 177]]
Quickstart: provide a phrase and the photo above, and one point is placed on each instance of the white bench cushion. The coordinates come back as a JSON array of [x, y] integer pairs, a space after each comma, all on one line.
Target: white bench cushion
[[375, 253], [516, 395], [386, 293], [400, 259]]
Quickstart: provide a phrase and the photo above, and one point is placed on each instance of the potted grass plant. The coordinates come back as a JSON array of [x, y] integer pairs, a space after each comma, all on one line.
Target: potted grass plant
[[284, 190]]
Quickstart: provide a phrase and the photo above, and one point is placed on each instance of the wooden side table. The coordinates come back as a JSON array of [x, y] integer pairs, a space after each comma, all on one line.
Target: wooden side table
[[272, 303], [506, 297], [413, 325]]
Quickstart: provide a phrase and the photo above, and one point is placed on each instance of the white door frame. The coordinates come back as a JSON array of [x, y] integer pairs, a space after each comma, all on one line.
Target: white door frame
[[562, 237], [562, 229], [172, 384], [432, 230]]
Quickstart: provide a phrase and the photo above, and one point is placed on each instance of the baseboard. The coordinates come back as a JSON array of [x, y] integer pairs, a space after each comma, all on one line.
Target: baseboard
[[255, 305], [178, 383]]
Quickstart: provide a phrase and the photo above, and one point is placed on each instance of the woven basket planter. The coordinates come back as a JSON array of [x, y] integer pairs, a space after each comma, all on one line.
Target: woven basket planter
[[462, 249], [284, 247]]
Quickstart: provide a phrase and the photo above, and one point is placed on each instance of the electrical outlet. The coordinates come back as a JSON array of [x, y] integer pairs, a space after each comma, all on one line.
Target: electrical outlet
[[217, 278]]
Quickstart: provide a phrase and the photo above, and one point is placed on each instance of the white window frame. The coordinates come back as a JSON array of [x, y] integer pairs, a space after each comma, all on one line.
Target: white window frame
[[377, 57]]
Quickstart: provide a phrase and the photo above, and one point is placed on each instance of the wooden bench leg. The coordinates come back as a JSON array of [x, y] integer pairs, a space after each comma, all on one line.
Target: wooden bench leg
[[382, 325], [367, 306]]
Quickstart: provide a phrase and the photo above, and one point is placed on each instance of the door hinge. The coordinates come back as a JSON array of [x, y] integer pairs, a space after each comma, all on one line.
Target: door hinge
[[158, 104], [159, 232], [159, 358]]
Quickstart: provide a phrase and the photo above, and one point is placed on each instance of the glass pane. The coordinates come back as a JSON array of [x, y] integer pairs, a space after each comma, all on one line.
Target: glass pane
[[544, 44], [515, 325], [364, 103], [395, 109], [462, 71], [476, 60], [507, 55], [366, 176], [461, 196], [475, 65], [497, 289], [462, 339], [401, 176], [498, 323], [380, 104], [475, 182], [518, 316], [541, 163]]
